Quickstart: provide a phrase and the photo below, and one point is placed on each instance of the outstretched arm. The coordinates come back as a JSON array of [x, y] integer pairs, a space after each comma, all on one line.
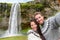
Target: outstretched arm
[[54, 21], [57, 18]]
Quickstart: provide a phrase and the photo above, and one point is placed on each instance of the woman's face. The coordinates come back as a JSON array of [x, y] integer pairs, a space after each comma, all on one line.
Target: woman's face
[[39, 18], [33, 26]]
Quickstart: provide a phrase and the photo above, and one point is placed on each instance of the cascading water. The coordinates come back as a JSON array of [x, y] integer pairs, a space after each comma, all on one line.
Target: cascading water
[[14, 21]]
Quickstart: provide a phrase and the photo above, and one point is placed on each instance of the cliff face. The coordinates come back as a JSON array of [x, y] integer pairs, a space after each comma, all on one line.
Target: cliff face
[[47, 7], [37, 0]]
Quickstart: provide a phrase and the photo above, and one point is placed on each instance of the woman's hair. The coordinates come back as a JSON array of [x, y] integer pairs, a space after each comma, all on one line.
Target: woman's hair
[[36, 13], [38, 29]]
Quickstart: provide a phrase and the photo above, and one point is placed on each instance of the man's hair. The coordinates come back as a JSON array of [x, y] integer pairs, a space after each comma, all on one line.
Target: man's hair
[[36, 13]]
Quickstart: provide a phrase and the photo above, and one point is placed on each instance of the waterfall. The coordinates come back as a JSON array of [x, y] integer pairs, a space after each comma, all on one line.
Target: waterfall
[[14, 21]]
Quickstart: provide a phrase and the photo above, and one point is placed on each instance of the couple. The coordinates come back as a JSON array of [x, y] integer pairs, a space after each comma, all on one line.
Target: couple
[[49, 28]]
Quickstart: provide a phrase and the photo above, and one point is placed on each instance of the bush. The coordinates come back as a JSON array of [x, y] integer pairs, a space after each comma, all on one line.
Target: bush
[[25, 25]]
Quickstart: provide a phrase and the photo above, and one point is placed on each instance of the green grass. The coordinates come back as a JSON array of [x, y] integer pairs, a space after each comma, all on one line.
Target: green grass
[[15, 38], [25, 30]]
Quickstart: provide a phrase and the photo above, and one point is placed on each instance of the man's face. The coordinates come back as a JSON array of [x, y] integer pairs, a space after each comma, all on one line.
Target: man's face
[[39, 18]]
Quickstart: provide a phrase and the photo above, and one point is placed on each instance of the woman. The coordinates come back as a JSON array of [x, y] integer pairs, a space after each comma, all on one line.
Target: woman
[[35, 32]]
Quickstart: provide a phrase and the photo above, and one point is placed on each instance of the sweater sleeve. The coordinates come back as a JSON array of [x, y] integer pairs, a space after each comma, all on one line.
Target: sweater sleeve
[[54, 21], [31, 37], [57, 19]]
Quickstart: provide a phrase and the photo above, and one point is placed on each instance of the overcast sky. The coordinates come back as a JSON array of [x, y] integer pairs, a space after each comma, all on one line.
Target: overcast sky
[[14, 1]]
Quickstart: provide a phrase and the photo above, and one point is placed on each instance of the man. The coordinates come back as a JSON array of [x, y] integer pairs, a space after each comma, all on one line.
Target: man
[[50, 27]]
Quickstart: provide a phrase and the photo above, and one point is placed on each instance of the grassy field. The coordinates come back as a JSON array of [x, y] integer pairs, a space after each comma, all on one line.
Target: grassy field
[[25, 30], [15, 38]]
